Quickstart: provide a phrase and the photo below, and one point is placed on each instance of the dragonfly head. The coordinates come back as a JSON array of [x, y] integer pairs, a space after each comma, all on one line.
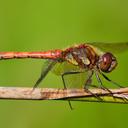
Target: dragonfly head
[[107, 62]]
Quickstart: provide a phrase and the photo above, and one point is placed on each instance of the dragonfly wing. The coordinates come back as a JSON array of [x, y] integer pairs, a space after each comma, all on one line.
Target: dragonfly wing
[[76, 80], [111, 47], [61, 68], [71, 80], [48, 65]]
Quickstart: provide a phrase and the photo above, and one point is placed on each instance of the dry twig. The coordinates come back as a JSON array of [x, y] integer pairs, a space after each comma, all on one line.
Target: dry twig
[[21, 93]]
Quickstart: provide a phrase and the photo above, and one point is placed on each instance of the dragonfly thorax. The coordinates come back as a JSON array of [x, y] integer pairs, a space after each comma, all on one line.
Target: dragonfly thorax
[[86, 56], [83, 56], [107, 62]]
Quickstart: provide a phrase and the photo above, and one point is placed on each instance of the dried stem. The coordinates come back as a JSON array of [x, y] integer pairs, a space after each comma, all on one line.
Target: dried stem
[[21, 93]]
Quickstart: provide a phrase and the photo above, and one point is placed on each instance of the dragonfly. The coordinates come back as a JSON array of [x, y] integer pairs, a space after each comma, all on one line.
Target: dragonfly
[[76, 64]]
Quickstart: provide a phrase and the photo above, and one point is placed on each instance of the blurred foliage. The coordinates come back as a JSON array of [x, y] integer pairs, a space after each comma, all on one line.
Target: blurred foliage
[[29, 25]]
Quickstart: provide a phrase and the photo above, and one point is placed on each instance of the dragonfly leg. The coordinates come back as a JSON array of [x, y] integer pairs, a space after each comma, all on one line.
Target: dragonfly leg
[[88, 83], [62, 76], [89, 80], [125, 99], [113, 82], [101, 84], [68, 73], [98, 78]]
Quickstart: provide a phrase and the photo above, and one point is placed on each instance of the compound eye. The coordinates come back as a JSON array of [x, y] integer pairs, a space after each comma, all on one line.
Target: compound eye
[[107, 62]]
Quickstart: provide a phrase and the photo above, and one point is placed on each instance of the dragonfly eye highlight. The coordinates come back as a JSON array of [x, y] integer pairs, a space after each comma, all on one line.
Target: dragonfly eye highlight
[[107, 62]]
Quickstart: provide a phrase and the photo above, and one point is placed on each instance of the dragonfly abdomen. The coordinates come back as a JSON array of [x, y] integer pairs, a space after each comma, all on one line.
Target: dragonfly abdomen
[[53, 54]]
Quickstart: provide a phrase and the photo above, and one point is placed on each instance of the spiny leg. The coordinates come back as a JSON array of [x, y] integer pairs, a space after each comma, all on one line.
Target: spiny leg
[[101, 84], [98, 78], [89, 80], [62, 76], [113, 82], [87, 83]]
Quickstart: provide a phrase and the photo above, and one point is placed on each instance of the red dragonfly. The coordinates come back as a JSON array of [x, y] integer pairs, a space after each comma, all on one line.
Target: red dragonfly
[[79, 62]]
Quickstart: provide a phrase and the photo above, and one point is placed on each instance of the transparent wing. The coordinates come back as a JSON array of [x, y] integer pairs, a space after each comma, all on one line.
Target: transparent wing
[[71, 80], [76, 80], [61, 68], [48, 65], [111, 47]]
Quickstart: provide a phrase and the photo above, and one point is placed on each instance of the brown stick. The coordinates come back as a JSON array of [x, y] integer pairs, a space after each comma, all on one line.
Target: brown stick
[[21, 93]]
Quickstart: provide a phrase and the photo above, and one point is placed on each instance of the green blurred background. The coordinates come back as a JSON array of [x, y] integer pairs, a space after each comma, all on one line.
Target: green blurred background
[[34, 25]]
